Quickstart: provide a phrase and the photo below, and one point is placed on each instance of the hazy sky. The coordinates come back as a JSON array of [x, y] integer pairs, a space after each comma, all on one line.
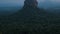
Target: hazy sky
[[21, 2]]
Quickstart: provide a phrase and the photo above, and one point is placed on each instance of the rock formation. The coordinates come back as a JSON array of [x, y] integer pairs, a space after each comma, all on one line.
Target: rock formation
[[30, 3], [30, 13]]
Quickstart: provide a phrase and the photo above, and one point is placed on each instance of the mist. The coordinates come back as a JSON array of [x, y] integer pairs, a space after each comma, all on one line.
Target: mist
[[12, 6], [18, 3]]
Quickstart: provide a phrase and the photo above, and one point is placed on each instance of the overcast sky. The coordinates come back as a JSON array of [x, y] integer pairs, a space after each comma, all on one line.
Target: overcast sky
[[21, 2]]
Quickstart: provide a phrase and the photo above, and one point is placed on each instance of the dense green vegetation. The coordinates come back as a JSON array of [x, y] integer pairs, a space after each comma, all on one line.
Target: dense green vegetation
[[30, 20]]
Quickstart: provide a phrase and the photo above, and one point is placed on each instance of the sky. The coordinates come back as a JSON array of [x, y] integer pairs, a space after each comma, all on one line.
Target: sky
[[11, 2], [4, 3]]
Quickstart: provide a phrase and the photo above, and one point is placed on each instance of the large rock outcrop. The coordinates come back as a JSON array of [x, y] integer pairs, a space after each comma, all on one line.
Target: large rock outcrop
[[30, 13], [30, 3]]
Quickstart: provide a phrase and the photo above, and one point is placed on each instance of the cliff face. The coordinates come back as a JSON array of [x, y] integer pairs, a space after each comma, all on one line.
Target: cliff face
[[30, 3]]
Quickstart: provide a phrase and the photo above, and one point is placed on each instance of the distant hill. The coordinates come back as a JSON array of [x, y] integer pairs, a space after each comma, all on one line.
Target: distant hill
[[55, 10], [8, 10]]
